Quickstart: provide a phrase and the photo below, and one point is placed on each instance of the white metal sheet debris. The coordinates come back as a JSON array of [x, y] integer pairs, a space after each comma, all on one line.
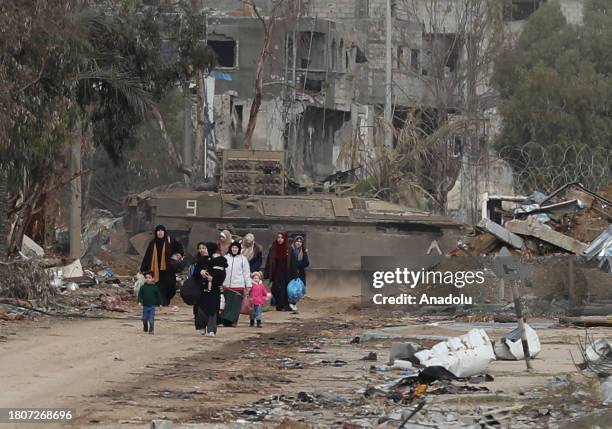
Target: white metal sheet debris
[[510, 347], [463, 356]]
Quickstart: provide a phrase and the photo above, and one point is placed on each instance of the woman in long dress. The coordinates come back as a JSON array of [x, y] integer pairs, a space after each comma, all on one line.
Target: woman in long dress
[[280, 269], [162, 255], [212, 275]]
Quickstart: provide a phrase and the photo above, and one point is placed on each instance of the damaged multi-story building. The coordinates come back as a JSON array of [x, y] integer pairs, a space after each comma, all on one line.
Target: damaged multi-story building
[[325, 83]]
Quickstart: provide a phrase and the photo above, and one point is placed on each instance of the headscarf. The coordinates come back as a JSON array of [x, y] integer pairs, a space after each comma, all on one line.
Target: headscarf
[[235, 244], [160, 252], [212, 248], [249, 251], [199, 258], [279, 254], [225, 239], [299, 253]]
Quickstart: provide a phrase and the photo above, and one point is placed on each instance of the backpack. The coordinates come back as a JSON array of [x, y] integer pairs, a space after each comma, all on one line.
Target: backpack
[[191, 291]]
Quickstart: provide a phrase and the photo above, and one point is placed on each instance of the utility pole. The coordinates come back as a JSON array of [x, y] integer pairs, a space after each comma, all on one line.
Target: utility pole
[[388, 80], [187, 131], [75, 194]]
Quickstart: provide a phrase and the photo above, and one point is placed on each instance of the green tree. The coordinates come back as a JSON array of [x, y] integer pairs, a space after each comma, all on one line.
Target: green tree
[[555, 98]]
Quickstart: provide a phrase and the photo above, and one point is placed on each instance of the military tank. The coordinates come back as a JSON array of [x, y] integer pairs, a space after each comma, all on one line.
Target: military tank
[[251, 197]]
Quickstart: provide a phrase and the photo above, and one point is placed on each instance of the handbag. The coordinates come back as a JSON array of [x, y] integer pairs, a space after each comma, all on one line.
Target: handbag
[[247, 306]]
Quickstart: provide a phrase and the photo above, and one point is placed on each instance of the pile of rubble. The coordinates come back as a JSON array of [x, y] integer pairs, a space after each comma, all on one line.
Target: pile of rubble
[[571, 220]]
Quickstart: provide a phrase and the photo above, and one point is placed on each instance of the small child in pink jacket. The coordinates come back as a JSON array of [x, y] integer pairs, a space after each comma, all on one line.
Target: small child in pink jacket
[[258, 295]]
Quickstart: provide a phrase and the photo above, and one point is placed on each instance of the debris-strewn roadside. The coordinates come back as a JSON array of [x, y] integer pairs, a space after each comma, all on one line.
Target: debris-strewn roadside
[[314, 373]]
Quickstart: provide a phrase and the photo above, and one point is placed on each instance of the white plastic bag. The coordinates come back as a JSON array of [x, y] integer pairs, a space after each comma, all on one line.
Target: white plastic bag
[[222, 303], [140, 280]]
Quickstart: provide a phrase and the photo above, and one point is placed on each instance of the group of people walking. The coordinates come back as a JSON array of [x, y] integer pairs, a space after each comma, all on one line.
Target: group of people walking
[[226, 273]]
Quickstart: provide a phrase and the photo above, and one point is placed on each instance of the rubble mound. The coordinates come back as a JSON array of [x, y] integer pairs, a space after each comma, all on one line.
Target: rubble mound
[[25, 280]]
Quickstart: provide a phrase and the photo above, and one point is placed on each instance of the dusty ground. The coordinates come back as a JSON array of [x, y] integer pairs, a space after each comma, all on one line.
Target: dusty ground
[[117, 377]]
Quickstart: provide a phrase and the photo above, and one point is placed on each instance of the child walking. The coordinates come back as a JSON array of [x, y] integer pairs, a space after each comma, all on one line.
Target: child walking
[[148, 298], [257, 294]]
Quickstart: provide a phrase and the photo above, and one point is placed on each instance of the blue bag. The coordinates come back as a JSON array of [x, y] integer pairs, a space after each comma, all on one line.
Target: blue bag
[[191, 270], [295, 290]]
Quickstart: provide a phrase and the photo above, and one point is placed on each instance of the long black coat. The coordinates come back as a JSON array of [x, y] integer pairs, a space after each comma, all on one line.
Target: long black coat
[[167, 279], [210, 301], [280, 276]]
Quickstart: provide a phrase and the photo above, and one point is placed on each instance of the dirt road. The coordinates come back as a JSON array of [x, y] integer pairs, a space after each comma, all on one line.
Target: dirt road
[[115, 376], [67, 363]]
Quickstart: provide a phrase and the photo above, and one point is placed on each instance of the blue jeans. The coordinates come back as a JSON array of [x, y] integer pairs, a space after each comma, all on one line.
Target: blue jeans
[[257, 312], [148, 313]]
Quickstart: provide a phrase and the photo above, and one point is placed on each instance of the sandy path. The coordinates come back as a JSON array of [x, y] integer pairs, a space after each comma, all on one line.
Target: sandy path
[[65, 362]]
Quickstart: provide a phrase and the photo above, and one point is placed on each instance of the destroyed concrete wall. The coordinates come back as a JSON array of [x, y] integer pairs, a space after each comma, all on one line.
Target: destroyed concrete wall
[[247, 36], [465, 198]]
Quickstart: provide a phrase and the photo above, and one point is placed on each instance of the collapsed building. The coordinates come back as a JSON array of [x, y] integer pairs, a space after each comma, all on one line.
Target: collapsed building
[[325, 85]]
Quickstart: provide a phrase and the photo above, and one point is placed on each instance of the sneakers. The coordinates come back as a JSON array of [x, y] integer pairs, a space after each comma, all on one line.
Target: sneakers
[[202, 331], [151, 332], [210, 334], [293, 307]]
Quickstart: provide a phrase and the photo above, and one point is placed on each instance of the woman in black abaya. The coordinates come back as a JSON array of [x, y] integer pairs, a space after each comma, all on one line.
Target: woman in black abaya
[[163, 252]]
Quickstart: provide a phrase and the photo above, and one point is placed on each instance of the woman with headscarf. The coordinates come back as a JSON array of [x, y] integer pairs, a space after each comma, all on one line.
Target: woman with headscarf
[[280, 270], [211, 274], [300, 257], [199, 274], [252, 251], [236, 285], [225, 239], [163, 252]]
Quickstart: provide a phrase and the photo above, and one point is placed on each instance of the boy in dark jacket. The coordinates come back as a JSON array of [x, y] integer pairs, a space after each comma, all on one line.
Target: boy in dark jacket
[[148, 298]]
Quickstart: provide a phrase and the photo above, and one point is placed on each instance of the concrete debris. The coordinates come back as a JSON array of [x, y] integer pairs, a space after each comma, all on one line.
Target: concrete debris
[[404, 351], [161, 424], [568, 219], [402, 364], [547, 234], [75, 269], [502, 233], [96, 232], [463, 356], [31, 249], [509, 347]]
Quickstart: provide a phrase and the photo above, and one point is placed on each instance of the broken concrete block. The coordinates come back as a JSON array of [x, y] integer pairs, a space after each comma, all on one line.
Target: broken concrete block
[[545, 233], [510, 347], [463, 356], [74, 269], [161, 424], [502, 233], [404, 351], [30, 248], [402, 364]]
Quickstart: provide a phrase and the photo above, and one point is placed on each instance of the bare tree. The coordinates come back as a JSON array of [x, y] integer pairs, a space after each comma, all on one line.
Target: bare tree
[[280, 10], [461, 39]]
